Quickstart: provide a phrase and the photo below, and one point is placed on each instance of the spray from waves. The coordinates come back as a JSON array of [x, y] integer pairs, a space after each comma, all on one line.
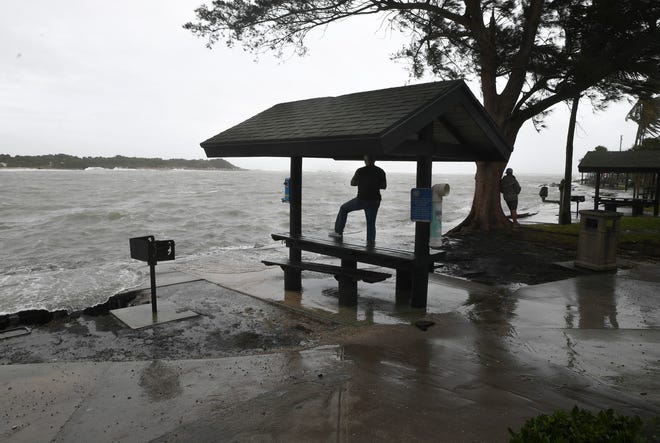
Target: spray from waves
[[65, 233], [71, 289]]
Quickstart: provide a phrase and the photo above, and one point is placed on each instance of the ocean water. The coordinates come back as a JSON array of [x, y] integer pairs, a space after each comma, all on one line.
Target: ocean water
[[64, 234]]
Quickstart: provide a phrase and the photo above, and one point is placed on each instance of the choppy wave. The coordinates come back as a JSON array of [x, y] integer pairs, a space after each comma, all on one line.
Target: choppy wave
[[65, 234]]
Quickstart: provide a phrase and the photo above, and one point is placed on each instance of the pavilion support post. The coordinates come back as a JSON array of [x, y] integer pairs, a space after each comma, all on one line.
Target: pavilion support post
[[420, 279], [403, 286], [656, 197], [348, 295], [597, 197], [292, 278]]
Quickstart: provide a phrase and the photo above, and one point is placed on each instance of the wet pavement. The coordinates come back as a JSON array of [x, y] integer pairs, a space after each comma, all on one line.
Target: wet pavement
[[494, 357]]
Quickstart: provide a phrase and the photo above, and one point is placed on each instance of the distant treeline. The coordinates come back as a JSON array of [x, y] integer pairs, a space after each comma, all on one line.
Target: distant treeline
[[63, 161]]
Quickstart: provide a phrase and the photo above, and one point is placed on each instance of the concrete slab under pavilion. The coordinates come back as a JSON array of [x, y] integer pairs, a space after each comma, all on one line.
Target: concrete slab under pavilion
[[424, 123]]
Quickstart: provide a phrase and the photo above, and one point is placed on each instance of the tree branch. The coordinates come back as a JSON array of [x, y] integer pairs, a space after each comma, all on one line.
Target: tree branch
[[521, 60]]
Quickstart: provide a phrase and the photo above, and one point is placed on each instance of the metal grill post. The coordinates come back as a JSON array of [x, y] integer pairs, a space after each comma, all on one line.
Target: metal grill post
[[149, 250]]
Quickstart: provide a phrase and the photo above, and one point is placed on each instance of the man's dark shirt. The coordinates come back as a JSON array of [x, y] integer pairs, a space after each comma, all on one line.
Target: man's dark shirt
[[369, 180], [510, 187]]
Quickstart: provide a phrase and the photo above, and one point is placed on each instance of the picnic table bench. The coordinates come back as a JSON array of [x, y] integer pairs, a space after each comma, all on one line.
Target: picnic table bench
[[350, 254], [347, 278], [612, 203]]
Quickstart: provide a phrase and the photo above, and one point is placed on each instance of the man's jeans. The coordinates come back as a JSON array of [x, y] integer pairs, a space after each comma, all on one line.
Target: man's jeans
[[370, 211]]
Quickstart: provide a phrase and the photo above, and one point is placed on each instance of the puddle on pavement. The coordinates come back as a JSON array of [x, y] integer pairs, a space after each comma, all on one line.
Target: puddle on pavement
[[376, 302], [160, 381], [590, 302]]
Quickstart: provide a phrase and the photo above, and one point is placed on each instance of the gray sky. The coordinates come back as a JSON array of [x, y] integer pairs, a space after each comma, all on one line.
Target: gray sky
[[99, 78]]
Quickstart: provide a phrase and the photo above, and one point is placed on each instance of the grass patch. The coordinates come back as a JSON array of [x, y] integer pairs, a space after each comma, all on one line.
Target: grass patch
[[636, 235]]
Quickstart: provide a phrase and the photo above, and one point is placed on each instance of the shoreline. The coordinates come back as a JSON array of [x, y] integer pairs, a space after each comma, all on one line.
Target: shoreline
[[31, 317], [495, 259], [93, 168]]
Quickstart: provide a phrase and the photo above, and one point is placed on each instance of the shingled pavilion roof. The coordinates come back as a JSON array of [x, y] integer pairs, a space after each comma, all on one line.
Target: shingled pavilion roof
[[622, 161], [385, 123]]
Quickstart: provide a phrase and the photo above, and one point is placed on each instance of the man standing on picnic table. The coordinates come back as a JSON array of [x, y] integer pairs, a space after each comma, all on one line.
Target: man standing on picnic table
[[369, 180]]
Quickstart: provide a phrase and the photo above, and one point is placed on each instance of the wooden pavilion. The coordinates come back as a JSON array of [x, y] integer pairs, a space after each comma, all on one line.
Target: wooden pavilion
[[439, 121], [626, 162]]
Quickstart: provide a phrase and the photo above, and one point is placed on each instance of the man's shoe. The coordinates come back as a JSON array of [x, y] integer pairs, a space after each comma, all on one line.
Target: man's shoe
[[336, 235]]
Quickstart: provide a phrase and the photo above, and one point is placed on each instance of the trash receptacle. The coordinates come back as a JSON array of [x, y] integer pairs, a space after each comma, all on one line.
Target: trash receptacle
[[598, 238], [439, 191]]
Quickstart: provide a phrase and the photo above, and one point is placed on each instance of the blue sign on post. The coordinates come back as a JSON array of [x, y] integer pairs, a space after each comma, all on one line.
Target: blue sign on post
[[421, 204], [287, 192]]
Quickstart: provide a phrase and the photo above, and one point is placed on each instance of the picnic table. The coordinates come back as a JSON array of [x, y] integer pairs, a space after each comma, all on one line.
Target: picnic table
[[612, 203], [347, 273]]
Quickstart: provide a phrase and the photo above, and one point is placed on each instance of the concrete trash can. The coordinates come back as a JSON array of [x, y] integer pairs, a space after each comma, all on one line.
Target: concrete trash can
[[598, 238]]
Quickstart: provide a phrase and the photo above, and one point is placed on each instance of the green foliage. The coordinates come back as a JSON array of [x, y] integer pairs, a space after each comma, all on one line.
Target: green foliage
[[535, 53], [637, 235], [579, 426], [627, 225], [640, 224], [646, 113], [651, 429], [63, 161], [648, 144], [529, 55]]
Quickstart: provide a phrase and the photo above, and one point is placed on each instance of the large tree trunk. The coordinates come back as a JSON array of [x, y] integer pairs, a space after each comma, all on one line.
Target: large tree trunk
[[486, 213]]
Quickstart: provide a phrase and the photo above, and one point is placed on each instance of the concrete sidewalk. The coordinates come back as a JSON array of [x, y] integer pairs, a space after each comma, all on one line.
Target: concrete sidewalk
[[494, 358]]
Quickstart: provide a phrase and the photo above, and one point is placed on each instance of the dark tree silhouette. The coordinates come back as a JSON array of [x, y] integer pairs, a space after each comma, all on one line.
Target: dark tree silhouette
[[528, 55]]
